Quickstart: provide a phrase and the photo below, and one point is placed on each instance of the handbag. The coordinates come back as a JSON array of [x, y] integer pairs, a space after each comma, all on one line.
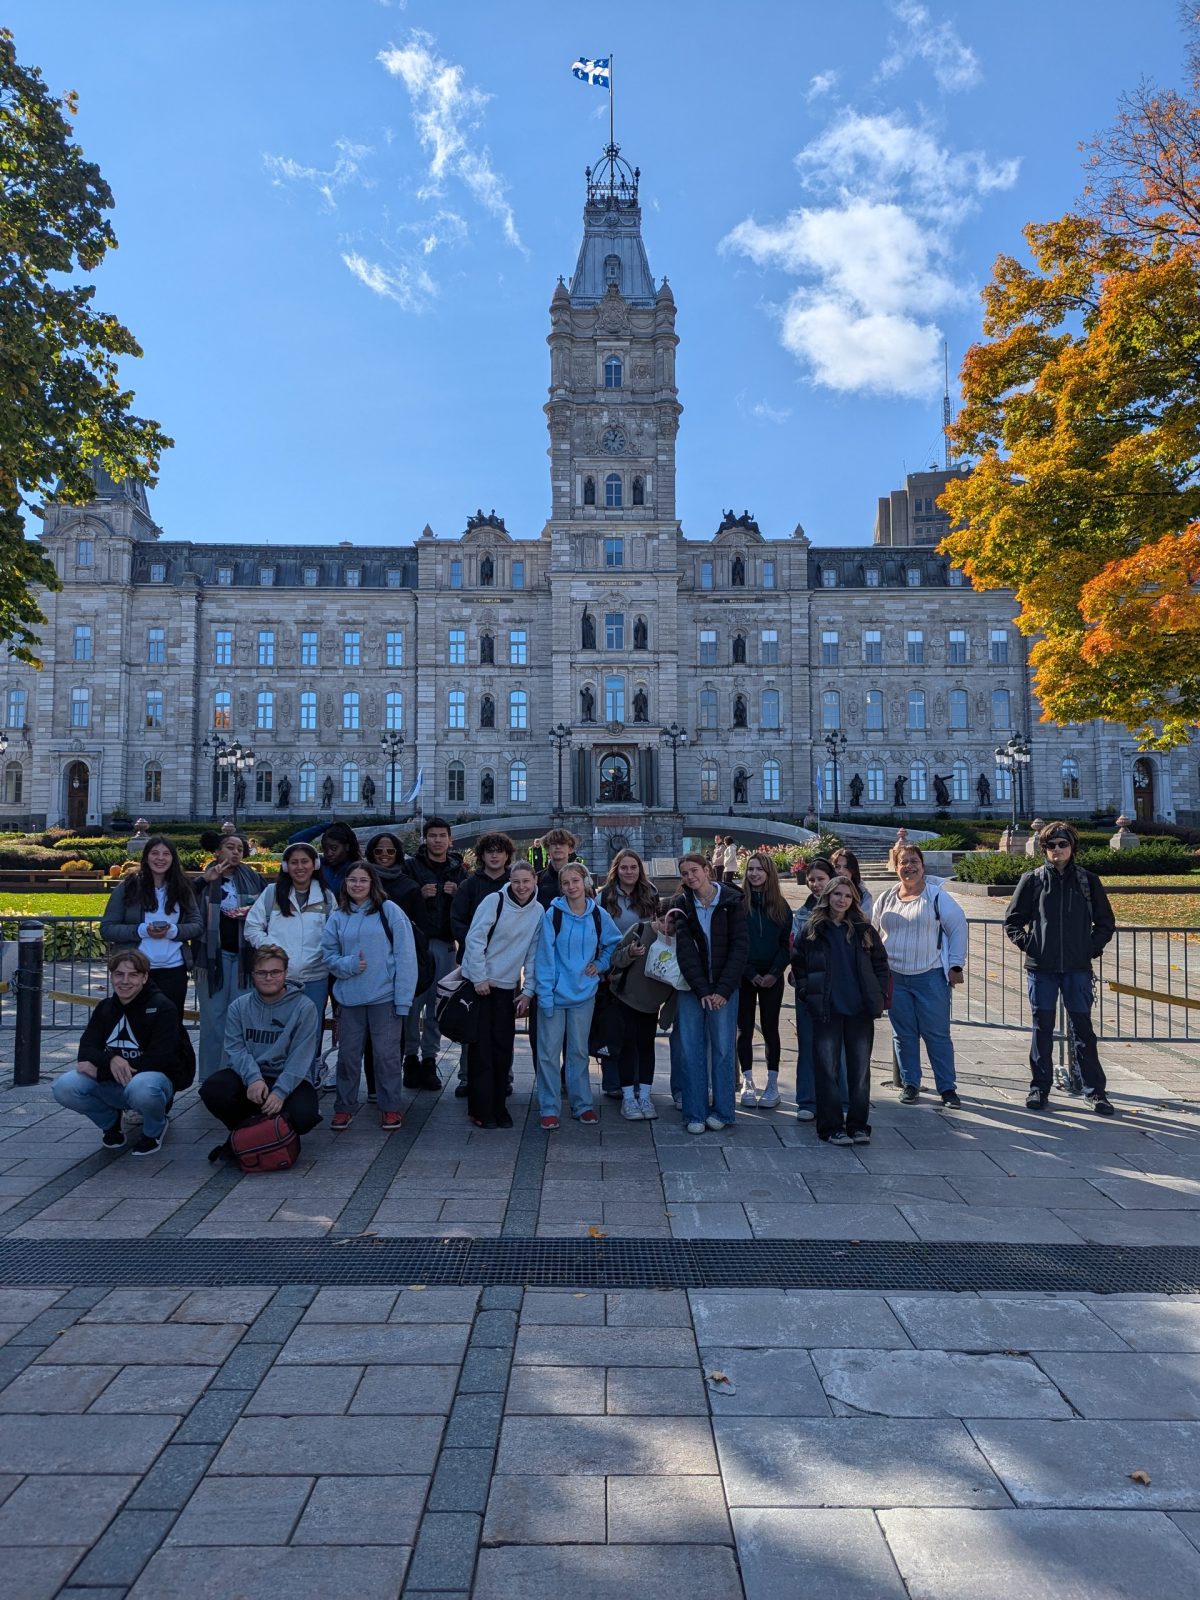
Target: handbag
[[662, 963], [265, 1144], [457, 1008]]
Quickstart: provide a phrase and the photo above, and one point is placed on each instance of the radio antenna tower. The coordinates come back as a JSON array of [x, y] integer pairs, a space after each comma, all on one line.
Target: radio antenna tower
[[947, 418]]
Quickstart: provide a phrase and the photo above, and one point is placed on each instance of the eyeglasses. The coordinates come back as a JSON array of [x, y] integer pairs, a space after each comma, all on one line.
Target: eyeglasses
[[1058, 844], [270, 972]]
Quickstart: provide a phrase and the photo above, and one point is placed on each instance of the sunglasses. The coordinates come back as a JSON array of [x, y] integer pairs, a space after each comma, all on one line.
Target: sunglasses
[[1058, 844]]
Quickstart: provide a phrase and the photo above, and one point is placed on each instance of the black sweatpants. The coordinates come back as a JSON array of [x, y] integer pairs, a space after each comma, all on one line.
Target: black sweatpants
[[225, 1095], [636, 1061], [490, 1061], [769, 1002]]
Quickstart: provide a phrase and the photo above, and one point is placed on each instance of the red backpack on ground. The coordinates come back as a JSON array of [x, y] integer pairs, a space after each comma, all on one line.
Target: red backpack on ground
[[265, 1144]]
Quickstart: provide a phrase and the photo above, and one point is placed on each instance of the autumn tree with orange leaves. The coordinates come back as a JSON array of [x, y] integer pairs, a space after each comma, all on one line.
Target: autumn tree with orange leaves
[[1082, 409]]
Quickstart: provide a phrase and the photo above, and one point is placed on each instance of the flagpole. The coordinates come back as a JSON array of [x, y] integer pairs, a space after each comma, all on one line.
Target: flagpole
[[611, 139]]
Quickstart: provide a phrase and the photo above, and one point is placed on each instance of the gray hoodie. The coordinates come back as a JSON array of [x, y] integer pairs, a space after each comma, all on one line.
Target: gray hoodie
[[277, 1042]]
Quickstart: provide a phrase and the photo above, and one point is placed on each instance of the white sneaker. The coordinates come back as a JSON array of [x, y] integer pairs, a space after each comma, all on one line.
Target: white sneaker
[[647, 1108], [768, 1099], [715, 1124], [631, 1111], [806, 1116], [695, 1127], [749, 1093]]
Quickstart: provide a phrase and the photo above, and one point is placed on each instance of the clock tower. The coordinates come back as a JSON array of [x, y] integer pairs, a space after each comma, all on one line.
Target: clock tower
[[613, 410]]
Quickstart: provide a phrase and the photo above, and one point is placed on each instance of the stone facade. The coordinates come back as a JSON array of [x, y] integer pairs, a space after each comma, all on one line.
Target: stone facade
[[608, 621]]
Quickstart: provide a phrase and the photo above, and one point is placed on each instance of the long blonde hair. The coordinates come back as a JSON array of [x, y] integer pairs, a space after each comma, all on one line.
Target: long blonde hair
[[820, 913]]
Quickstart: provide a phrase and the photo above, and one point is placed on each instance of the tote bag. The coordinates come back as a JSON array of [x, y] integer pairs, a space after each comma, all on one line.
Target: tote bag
[[662, 964]]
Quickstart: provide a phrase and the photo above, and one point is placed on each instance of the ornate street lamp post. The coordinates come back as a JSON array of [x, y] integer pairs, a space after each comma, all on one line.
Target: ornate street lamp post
[[835, 743], [1013, 757], [391, 744], [560, 738], [675, 736]]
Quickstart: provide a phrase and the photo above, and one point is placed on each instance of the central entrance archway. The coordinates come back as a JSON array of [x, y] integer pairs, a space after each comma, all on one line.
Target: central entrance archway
[[77, 782], [1143, 789]]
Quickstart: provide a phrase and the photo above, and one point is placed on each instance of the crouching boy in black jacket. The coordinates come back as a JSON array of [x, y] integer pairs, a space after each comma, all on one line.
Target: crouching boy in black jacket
[[134, 1056]]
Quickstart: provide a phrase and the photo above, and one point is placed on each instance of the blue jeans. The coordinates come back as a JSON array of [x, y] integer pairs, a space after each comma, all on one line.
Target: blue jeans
[[572, 1023], [806, 1088], [318, 992], [148, 1093], [920, 1009], [708, 1047], [676, 1043], [1077, 992], [214, 1004]]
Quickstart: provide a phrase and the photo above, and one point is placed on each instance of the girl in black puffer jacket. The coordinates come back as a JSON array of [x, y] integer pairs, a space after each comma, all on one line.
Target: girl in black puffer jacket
[[842, 975]]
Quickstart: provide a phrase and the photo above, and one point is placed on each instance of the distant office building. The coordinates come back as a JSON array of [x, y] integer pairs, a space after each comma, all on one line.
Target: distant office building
[[912, 515]]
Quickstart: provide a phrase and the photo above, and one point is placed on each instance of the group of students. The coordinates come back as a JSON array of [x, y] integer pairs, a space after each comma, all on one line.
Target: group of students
[[376, 932]]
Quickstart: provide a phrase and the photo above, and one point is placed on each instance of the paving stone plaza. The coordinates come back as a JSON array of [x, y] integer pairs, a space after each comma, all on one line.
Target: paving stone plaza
[[954, 1363]]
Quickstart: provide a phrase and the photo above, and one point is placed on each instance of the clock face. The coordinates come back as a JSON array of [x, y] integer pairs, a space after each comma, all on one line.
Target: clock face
[[613, 441]]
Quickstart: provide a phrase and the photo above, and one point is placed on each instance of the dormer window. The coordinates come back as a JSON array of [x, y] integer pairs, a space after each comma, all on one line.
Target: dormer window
[[311, 575], [266, 576], [612, 271], [225, 577], [614, 373], [829, 577], [353, 577], [158, 572]]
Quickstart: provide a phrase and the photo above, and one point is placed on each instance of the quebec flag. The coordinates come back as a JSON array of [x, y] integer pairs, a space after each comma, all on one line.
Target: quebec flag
[[594, 72]]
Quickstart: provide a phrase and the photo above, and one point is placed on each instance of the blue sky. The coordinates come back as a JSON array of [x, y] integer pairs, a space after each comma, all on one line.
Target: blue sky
[[341, 225]]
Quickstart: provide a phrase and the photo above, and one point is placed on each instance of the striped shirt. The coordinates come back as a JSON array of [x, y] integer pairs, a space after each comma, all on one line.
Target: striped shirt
[[909, 929]]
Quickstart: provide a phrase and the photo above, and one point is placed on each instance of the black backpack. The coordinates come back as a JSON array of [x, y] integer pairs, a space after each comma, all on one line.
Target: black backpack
[[426, 967]]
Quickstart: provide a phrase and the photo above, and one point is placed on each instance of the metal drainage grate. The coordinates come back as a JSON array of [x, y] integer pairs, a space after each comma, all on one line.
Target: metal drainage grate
[[609, 1264]]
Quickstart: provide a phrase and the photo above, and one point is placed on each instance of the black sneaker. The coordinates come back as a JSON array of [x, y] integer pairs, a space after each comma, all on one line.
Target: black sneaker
[[114, 1138], [909, 1095], [863, 1136], [1102, 1105], [1035, 1100], [841, 1137], [221, 1152], [412, 1072], [427, 1077], [146, 1146], [460, 1091], [950, 1099], [504, 1119]]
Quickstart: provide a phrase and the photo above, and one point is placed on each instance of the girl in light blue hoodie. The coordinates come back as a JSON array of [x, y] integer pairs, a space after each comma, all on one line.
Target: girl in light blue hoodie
[[576, 946], [368, 946]]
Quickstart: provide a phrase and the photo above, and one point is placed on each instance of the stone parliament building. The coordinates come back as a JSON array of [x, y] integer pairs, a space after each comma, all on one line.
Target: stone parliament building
[[608, 626]]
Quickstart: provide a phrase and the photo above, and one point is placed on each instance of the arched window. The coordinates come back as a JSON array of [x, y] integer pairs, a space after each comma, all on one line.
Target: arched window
[[960, 781], [1070, 778], [612, 491], [614, 699], [1000, 709], [958, 710], [709, 790], [308, 712], [770, 782], [14, 715], [487, 650], [350, 783], [306, 788], [264, 781], [350, 710], [518, 782], [518, 709], [918, 787], [639, 492], [830, 786], [456, 782], [222, 718], [14, 783], [152, 788], [487, 712], [916, 710], [457, 709], [613, 373], [487, 788], [876, 779], [708, 708], [831, 709], [393, 711], [264, 710], [589, 491], [81, 708]]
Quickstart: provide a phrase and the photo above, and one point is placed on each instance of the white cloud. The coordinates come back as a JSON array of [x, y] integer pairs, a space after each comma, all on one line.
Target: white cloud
[[327, 181], [447, 112], [445, 229], [875, 257], [822, 83], [763, 410], [954, 64], [409, 286]]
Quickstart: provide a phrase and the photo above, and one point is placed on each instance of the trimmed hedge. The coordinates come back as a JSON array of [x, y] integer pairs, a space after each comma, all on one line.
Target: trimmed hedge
[[1163, 858]]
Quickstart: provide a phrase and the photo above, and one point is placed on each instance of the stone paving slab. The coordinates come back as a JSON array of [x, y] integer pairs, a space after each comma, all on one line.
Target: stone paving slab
[[1040, 1555], [838, 1555], [936, 1383], [606, 1445], [1146, 1385], [797, 1319], [1152, 1324], [1082, 1464], [609, 1572], [996, 1322], [322, 1445], [258, 1573]]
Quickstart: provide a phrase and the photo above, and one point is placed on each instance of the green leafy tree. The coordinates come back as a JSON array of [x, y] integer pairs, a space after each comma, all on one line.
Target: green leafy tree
[[61, 401], [1082, 409]]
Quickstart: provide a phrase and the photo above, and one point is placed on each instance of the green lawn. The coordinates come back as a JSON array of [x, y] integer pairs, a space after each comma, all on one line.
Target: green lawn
[[53, 905]]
